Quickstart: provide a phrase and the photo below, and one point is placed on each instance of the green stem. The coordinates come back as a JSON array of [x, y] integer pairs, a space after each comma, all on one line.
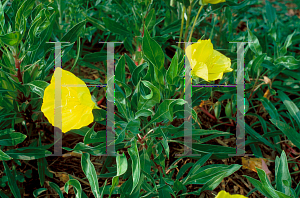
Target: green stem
[[212, 94], [182, 22], [195, 22], [187, 23]]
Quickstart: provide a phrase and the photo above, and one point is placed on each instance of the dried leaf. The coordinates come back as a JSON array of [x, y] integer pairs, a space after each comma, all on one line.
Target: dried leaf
[[62, 176], [72, 154], [251, 163]]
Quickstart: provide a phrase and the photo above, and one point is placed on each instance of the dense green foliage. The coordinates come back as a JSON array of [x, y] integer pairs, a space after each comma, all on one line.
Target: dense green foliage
[[149, 88]]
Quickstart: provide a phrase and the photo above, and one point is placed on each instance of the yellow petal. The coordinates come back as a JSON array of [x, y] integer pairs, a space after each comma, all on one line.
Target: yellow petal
[[215, 76], [214, 1], [224, 194], [76, 102], [77, 118], [218, 63], [200, 51], [75, 84], [200, 70]]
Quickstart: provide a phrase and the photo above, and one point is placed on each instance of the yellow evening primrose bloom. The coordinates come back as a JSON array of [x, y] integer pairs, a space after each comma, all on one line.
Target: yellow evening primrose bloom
[[224, 194], [77, 104], [206, 62], [213, 1]]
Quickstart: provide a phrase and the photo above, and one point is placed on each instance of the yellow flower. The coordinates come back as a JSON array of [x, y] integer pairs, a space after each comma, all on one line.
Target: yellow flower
[[206, 62], [224, 194], [76, 102], [213, 1]]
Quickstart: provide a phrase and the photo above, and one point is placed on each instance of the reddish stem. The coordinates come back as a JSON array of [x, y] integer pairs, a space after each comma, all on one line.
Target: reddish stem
[[100, 101], [19, 75], [207, 113], [214, 118]]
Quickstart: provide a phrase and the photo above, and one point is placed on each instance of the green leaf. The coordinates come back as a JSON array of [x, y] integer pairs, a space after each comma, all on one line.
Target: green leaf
[[178, 186], [257, 136], [95, 57], [164, 142], [4, 156], [143, 112], [56, 188], [3, 195], [256, 65], [270, 108], [95, 22], [267, 184], [150, 19], [103, 189], [42, 170], [165, 110], [287, 43], [72, 35], [148, 101], [120, 70], [196, 167], [217, 109], [258, 185], [271, 12], [2, 18], [207, 173], [291, 133], [136, 166], [28, 153], [23, 12], [291, 107], [153, 51], [214, 182], [138, 74], [121, 169], [164, 190], [145, 162], [11, 39], [38, 87], [42, 164], [131, 65], [183, 169], [254, 45], [12, 139], [172, 71], [115, 27], [98, 137], [38, 191], [133, 126], [289, 62], [76, 185], [90, 172], [12, 181], [282, 173]]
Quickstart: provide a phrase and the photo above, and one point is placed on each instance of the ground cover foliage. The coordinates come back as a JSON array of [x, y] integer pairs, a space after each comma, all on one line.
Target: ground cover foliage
[[149, 99]]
